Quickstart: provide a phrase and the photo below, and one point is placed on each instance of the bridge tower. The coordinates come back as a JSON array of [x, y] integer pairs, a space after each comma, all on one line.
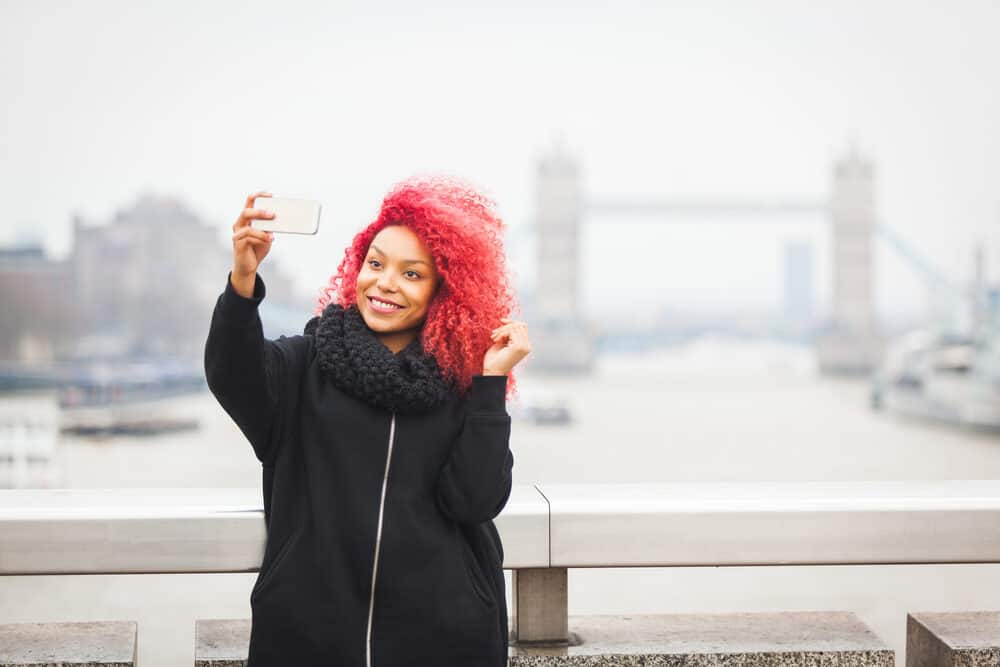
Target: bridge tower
[[562, 342], [852, 343]]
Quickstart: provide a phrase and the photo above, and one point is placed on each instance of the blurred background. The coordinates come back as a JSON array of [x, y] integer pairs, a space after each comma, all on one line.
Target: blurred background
[[752, 241]]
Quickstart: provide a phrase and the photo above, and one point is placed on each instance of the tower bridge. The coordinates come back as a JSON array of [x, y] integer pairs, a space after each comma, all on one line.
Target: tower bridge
[[739, 209], [850, 342]]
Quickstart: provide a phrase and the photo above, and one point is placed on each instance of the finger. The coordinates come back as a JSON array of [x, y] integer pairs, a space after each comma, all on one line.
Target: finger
[[257, 243], [511, 325], [505, 327], [257, 213], [250, 231], [519, 337], [248, 215], [251, 198], [502, 336], [508, 330], [253, 240]]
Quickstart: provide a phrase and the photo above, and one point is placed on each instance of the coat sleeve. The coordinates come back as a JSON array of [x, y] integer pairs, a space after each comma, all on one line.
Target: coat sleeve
[[474, 484], [251, 377]]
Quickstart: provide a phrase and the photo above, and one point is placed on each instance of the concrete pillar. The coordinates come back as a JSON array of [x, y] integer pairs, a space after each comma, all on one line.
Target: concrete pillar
[[107, 643], [953, 639], [787, 639], [539, 606]]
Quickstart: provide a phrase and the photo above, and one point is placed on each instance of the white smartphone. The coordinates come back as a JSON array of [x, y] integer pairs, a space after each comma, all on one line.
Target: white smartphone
[[294, 216]]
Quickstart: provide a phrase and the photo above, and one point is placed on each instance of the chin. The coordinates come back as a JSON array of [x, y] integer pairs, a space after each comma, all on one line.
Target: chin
[[372, 323], [375, 324]]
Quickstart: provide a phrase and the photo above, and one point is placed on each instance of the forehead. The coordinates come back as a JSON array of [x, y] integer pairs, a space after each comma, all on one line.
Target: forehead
[[399, 242]]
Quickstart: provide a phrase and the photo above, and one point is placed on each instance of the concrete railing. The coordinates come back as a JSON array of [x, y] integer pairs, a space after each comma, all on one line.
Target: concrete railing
[[545, 528]]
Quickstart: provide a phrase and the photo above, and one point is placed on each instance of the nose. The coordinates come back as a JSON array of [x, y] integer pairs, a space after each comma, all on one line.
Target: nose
[[387, 281]]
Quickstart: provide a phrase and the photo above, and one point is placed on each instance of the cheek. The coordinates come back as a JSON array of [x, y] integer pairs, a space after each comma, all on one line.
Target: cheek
[[426, 296]]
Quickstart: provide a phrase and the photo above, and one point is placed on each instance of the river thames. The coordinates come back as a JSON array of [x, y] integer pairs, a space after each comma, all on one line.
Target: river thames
[[714, 410]]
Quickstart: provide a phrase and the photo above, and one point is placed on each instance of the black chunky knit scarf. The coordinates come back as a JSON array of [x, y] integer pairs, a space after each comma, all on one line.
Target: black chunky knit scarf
[[354, 360]]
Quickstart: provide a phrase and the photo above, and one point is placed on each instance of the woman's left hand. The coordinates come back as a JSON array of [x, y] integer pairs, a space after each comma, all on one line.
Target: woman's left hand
[[510, 345]]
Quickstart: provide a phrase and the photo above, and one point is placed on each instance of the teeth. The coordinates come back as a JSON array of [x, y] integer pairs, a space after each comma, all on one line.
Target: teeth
[[383, 303]]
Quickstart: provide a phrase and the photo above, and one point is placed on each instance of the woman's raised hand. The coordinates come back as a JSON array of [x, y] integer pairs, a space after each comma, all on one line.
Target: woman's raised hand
[[250, 246], [510, 345]]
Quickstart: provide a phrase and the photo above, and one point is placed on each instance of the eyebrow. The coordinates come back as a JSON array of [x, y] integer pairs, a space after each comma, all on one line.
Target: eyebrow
[[405, 261]]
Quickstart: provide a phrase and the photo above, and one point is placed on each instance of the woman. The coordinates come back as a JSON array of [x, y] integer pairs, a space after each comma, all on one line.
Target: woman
[[384, 438]]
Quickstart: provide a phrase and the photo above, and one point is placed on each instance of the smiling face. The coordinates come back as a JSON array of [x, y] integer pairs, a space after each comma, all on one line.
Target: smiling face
[[396, 285]]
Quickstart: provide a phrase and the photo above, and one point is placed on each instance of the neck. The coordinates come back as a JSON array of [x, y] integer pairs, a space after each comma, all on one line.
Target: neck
[[396, 341]]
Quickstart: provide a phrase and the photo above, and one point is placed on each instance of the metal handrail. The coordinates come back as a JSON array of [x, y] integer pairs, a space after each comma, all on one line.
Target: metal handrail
[[545, 528], [774, 523], [81, 531]]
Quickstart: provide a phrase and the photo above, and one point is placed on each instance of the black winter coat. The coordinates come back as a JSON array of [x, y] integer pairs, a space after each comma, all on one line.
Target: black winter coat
[[381, 548]]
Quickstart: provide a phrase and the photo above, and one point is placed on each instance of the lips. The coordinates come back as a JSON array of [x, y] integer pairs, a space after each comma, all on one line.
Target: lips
[[382, 307]]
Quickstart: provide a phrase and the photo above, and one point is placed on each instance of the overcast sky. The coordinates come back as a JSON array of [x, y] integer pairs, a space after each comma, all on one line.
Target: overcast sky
[[207, 101]]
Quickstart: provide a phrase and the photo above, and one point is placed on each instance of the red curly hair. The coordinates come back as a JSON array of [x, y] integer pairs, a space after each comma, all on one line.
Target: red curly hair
[[464, 234]]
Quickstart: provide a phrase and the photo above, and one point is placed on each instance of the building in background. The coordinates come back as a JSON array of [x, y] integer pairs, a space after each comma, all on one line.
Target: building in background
[[37, 325], [144, 284], [561, 340]]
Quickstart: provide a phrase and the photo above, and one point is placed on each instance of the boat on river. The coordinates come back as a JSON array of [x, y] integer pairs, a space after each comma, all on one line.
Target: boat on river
[[104, 399], [947, 377], [114, 397]]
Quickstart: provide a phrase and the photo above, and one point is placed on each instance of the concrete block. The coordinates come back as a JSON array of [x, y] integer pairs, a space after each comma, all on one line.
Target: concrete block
[[221, 642], [953, 639], [790, 639], [96, 644], [787, 639]]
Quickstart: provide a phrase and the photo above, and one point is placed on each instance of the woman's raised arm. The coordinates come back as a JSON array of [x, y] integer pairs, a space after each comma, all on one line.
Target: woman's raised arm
[[250, 376]]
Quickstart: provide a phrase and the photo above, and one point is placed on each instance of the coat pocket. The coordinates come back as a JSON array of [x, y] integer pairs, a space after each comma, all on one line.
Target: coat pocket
[[473, 571], [267, 574]]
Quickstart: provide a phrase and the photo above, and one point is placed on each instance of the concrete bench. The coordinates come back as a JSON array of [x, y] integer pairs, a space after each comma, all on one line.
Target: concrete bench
[[787, 639], [221, 642], [953, 639], [790, 639], [99, 643]]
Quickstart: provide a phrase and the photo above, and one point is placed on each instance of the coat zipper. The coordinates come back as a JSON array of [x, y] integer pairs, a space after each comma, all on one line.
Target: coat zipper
[[378, 540]]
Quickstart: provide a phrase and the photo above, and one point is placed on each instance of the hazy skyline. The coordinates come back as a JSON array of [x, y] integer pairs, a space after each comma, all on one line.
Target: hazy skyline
[[336, 101]]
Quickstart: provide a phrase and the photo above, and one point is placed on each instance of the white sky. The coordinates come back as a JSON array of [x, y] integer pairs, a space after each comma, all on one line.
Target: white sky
[[208, 101]]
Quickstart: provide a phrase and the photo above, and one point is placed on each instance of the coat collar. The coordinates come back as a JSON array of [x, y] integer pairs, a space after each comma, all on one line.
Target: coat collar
[[356, 361]]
